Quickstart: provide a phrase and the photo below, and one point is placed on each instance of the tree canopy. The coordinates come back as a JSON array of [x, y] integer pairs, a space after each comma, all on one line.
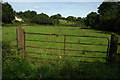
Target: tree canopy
[[107, 18], [71, 18], [8, 14], [91, 19], [27, 14], [57, 16]]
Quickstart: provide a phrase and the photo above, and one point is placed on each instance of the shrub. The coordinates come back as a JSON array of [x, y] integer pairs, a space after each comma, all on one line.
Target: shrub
[[18, 68], [8, 51]]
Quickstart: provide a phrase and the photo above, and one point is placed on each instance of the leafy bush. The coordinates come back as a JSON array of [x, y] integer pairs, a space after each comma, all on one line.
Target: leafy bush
[[18, 68], [13, 65], [8, 51], [78, 70], [48, 71]]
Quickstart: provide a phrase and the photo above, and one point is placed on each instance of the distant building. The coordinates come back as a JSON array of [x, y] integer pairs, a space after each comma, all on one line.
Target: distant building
[[18, 18]]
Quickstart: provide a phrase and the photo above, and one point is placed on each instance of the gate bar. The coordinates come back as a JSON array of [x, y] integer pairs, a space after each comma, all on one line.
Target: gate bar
[[64, 35], [67, 42], [65, 49], [64, 43]]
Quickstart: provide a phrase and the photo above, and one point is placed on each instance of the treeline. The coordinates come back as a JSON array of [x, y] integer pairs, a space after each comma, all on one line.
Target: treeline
[[106, 18], [32, 16], [42, 18]]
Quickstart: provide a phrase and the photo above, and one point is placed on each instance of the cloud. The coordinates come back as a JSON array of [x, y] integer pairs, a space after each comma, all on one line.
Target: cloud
[[36, 7]]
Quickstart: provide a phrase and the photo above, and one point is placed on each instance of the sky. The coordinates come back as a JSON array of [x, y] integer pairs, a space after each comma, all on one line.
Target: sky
[[77, 8], [58, 0], [53, 0]]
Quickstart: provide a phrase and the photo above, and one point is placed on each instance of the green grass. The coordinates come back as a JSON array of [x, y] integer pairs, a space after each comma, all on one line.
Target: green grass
[[70, 23], [64, 69], [64, 22], [9, 34]]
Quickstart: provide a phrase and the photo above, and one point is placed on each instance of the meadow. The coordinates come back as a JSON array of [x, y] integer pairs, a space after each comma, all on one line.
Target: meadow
[[9, 35]]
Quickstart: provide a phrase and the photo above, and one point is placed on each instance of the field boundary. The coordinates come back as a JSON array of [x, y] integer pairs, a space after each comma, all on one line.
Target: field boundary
[[111, 45]]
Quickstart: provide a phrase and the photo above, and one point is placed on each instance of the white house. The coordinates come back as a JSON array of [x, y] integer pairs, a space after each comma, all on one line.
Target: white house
[[18, 19]]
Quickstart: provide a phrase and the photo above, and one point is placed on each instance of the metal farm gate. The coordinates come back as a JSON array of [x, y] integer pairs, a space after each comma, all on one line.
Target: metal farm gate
[[22, 46]]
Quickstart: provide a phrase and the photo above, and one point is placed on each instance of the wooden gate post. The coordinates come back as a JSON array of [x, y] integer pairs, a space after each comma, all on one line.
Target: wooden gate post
[[21, 42], [113, 48]]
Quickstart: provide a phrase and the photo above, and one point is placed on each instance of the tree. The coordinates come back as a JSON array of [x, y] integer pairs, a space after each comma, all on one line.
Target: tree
[[106, 6], [80, 20], [57, 16], [63, 18], [27, 14], [71, 18], [20, 14], [8, 14], [117, 23], [109, 19], [42, 19], [92, 19]]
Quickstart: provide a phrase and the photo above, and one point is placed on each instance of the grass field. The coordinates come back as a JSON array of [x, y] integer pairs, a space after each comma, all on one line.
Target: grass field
[[9, 34], [69, 23], [68, 68]]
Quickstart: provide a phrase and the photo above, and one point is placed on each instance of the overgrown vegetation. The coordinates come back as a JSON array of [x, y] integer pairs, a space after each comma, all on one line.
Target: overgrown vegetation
[[13, 66], [16, 67]]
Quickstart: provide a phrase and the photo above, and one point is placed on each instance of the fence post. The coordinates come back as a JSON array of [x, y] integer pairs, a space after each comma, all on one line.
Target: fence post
[[21, 42], [64, 43], [113, 48]]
